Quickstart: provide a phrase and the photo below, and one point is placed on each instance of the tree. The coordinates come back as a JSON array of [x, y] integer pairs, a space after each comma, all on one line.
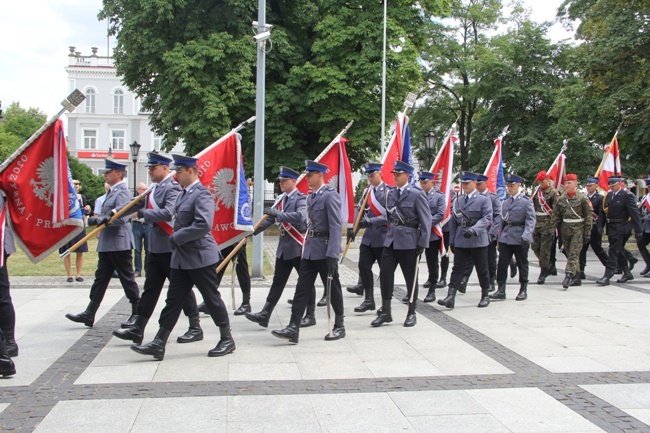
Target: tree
[[19, 125], [193, 64]]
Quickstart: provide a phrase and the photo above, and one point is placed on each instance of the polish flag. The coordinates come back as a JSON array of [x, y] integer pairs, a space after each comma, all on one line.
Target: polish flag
[[442, 169], [399, 149], [557, 171], [494, 171], [610, 165]]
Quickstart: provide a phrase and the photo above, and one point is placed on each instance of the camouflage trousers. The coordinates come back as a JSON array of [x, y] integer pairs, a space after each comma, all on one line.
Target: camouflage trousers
[[572, 242], [542, 243]]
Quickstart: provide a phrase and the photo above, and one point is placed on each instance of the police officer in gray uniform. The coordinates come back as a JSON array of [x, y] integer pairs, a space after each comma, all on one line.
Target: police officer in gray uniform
[[157, 208], [495, 228], [438, 207], [469, 226], [195, 255], [515, 238], [320, 254], [372, 244], [408, 234], [114, 247], [290, 214]]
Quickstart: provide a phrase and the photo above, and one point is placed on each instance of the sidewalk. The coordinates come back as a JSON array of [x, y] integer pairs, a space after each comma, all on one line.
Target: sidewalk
[[574, 360]]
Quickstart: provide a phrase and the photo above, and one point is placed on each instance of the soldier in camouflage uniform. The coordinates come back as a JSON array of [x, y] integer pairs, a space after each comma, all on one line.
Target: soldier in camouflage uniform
[[544, 200], [573, 210]]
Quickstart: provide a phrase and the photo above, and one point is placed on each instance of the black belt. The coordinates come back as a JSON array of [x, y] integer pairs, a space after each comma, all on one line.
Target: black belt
[[137, 222], [466, 223], [616, 220], [315, 234], [514, 224], [407, 224]]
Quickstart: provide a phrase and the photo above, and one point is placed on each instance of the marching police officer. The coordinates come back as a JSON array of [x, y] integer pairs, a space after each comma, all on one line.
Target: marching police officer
[[114, 247], [290, 214], [470, 224], [620, 210], [320, 253], [596, 238], [8, 345], [438, 206], [158, 208], [408, 234], [573, 211], [374, 220], [516, 235], [544, 200], [195, 255], [645, 239], [495, 228]]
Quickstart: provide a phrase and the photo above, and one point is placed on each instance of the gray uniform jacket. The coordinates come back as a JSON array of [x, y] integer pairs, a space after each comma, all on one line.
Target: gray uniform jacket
[[117, 236], [438, 207], [375, 234], [323, 217], [193, 218], [164, 194], [294, 212], [409, 219], [476, 214], [519, 220], [495, 229], [9, 246]]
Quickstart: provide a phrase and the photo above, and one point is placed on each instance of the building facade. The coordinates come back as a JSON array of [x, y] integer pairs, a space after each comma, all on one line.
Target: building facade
[[109, 120]]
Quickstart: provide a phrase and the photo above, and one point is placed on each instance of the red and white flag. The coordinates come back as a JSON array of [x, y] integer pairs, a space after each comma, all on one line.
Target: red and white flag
[[494, 170], [42, 205], [221, 170], [557, 171], [610, 165], [339, 177], [442, 170], [395, 150]]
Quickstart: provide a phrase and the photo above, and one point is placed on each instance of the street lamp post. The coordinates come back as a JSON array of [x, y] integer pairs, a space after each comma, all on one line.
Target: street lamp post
[[429, 141], [135, 150]]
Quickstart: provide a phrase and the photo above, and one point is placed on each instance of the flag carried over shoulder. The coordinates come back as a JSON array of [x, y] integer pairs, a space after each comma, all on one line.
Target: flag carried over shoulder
[[494, 171], [610, 165], [42, 204], [442, 170], [339, 175], [221, 171], [557, 170], [399, 149]]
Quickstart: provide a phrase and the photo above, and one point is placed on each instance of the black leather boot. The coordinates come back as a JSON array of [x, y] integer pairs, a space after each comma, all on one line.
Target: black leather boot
[[261, 318], [575, 281], [131, 320], [627, 276], [633, 261], [431, 295], [582, 274], [322, 302], [10, 339], [291, 332], [243, 309], [86, 317], [411, 318], [567, 280], [134, 333], [645, 271], [310, 317], [450, 300], [194, 333], [225, 345], [427, 284], [485, 298], [523, 292], [7, 366], [493, 285], [156, 348], [338, 330], [513, 268], [500, 294], [543, 273], [552, 270], [462, 287], [368, 304], [604, 281], [442, 282], [385, 316], [357, 289]]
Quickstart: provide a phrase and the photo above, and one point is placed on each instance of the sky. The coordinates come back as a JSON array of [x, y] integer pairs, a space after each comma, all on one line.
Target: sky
[[32, 65]]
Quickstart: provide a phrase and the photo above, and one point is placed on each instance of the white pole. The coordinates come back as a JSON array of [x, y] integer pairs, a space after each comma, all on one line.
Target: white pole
[[383, 86]]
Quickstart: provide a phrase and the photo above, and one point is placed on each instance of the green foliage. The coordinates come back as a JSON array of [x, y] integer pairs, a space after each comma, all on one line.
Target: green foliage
[[92, 186], [19, 125]]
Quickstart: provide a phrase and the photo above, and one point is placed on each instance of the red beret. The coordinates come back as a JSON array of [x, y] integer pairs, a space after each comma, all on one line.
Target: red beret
[[571, 177], [541, 176]]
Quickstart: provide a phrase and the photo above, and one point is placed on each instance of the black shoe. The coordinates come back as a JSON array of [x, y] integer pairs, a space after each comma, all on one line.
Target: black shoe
[[156, 348], [462, 287], [194, 333], [381, 319], [405, 300], [356, 289], [493, 286], [86, 317], [431, 296], [411, 320], [366, 305], [243, 309], [627, 276], [427, 284], [450, 300], [485, 301], [338, 331], [552, 270], [225, 345], [582, 275], [523, 292], [322, 302], [499, 294], [567, 279], [575, 281], [7, 366], [542, 276], [261, 318], [645, 271], [291, 333], [10, 340], [203, 308], [618, 271], [442, 283], [129, 322], [633, 261], [603, 281], [307, 321], [134, 333]]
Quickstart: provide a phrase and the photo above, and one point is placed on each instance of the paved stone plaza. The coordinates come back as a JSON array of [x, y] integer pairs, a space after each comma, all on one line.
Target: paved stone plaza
[[574, 360]]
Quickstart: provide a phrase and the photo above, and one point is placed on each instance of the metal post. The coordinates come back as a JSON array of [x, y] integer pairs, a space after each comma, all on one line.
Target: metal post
[[383, 86], [258, 188]]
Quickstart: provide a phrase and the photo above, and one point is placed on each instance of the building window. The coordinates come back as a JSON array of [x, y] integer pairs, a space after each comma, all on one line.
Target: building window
[[90, 100], [90, 138], [117, 139], [157, 143], [118, 102]]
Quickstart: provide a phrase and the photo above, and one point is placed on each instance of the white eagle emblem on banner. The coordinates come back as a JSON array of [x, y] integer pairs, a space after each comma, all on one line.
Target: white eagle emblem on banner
[[223, 188], [334, 182], [44, 187]]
